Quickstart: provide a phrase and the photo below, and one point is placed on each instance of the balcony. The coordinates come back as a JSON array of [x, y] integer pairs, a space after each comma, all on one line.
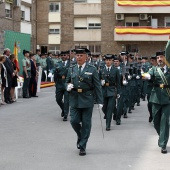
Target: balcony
[[141, 34], [127, 8], [87, 9], [87, 35]]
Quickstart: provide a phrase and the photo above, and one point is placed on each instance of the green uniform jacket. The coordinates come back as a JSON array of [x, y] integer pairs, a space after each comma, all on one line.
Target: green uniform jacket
[[159, 95], [89, 81], [60, 74], [113, 78]]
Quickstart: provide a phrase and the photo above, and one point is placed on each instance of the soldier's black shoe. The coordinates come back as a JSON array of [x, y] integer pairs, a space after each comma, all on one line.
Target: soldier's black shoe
[[125, 116], [164, 150], [150, 119], [107, 129], [138, 104], [117, 123], [82, 152], [78, 141], [104, 117], [143, 99], [62, 114], [65, 118], [129, 111]]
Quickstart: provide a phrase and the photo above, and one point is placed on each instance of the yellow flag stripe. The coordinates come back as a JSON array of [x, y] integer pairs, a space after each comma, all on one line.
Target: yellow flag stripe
[[143, 3], [154, 31]]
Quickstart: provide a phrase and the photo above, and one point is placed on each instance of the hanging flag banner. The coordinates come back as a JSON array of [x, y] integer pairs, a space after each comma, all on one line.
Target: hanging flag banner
[[142, 30], [143, 2]]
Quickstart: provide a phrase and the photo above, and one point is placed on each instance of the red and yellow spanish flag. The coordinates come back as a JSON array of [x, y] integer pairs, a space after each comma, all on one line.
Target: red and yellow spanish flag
[[142, 30], [143, 2], [16, 55]]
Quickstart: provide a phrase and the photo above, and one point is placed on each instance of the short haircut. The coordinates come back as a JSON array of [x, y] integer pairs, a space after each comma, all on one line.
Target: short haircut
[[2, 57], [5, 50]]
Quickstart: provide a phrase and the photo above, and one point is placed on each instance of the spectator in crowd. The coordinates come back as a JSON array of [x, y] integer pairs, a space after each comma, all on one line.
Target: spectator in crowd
[[4, 80], [14, 78], [10, 74], [33, 82]]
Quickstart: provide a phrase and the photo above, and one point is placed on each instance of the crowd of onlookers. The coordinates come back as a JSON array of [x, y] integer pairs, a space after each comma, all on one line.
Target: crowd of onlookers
[[8, 77], [9, 73]]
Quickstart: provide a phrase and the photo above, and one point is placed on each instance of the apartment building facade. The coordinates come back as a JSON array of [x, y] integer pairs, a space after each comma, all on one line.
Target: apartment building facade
[[103, 26], [18, 24]]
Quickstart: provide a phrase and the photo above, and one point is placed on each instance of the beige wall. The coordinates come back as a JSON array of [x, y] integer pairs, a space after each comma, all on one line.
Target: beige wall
[[53, 39], [54, 17], [87, 35], [90, 9]]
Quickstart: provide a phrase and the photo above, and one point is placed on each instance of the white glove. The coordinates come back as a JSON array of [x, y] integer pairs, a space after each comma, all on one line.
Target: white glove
[[102, 82], [118, 96], [146, 76], [100, 106], [50, 75], [70, 86]]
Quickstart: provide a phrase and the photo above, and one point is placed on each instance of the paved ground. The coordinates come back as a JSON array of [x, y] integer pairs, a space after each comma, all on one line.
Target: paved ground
[[34, 137]]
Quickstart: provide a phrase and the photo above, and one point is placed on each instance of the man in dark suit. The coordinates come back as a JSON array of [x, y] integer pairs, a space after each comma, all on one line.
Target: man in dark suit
[[33, 82], [10, 74]]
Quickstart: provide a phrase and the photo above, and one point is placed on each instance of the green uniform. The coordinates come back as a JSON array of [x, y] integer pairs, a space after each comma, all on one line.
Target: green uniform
[[60, 75], [110, 90], [148, 92], [43, 64], [160, 105], [26, 63], [38, 58], [81, 98]]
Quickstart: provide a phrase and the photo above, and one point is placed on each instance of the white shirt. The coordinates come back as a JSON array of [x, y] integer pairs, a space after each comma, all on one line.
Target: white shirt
[[108, 68], [82, 67]]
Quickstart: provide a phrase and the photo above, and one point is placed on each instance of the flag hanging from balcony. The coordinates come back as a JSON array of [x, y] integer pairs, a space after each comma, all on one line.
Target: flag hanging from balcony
[[142, 30], [16, 55], [143, 2]]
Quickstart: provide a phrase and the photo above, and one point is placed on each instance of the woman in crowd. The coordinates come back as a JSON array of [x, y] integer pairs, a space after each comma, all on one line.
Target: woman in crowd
[[14, 79], [3, 78]]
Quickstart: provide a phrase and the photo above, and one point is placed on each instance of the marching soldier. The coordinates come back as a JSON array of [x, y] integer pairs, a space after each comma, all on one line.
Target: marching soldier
[[50, 65], [26, 73], [160, 98], [59, 78], [82, 81], [110, 81], [149, 88]]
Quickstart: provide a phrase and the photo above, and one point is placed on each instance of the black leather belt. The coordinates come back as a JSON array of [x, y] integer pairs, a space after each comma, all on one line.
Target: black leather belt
[[162, 86], [108, 84], [82, 90]]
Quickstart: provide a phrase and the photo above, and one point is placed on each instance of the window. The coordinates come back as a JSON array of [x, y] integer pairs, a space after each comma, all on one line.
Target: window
[[132, 24], [54, 7], [80, 1], [54, 31], [132, 48], [54, 49], [80, 23], [22, 15], [8, 13], [95, 48], [94, 26], [131, 21], [167, 21]]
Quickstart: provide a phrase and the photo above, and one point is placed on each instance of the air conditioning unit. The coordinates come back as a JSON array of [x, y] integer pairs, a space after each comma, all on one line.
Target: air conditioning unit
[[17, 3], [119, 16], [143, 16]]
